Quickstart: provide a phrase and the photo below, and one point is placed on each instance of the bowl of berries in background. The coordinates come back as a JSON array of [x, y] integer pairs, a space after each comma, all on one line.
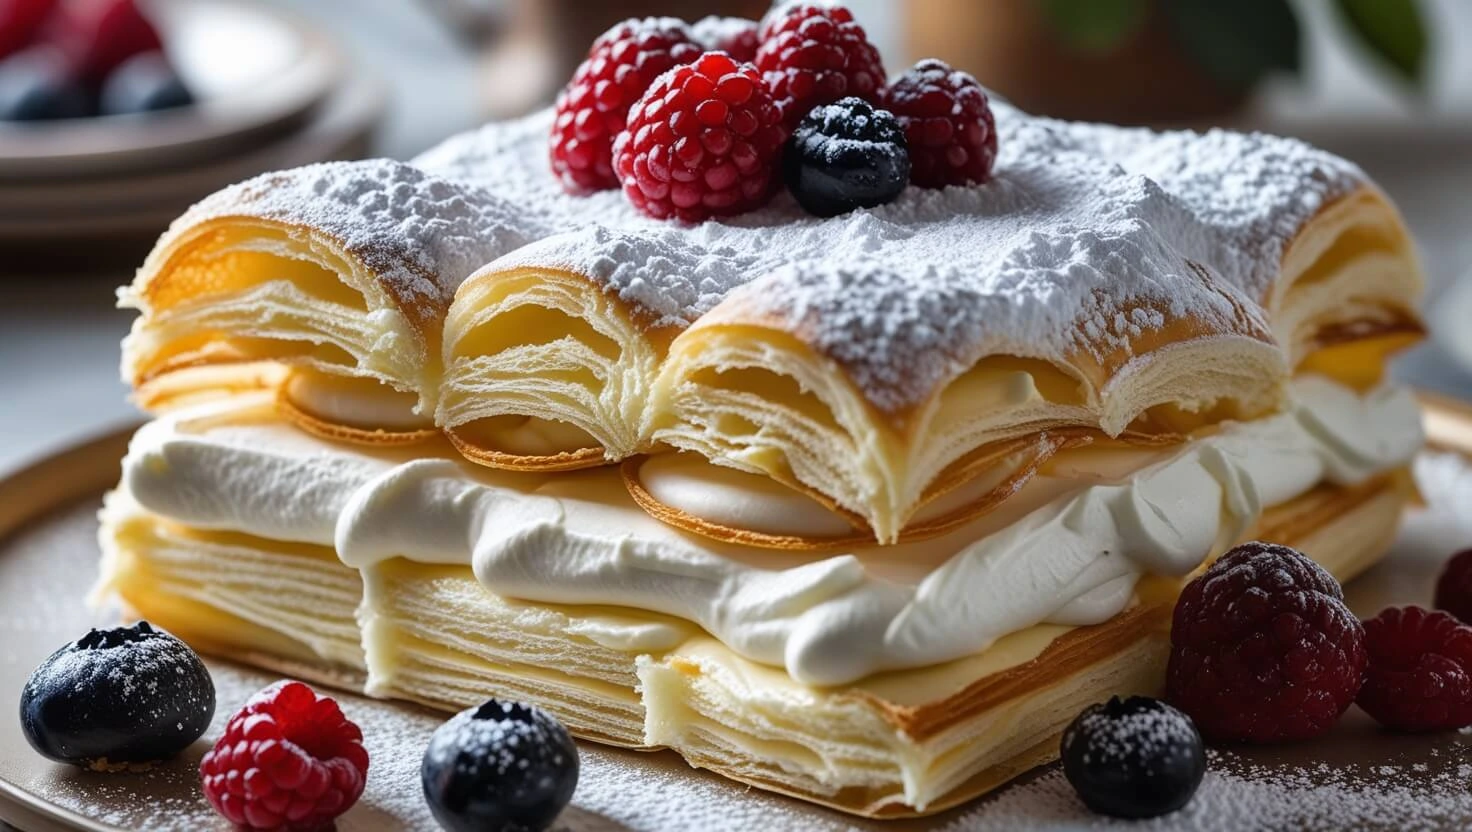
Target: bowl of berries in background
[[111, 86]]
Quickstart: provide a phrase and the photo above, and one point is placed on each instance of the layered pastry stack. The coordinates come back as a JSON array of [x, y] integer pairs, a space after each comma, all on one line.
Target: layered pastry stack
[[860, 509]]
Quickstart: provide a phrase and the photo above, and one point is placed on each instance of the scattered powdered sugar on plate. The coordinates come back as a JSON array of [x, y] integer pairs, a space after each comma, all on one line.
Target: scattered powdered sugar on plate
[[1088, 236], [1239, 795]]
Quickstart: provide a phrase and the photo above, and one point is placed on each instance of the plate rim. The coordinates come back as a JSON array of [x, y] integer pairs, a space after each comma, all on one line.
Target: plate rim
[[30, 154]]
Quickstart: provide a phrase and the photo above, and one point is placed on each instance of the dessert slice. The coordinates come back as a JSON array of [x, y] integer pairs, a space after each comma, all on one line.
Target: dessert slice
[[897, 492]]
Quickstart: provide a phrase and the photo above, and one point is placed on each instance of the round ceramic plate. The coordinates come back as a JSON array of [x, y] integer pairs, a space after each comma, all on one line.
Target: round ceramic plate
[[255, 71], [1356, 777], [340, 128]]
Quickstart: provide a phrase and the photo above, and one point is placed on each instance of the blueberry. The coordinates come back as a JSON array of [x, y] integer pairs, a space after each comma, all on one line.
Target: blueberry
[[142, 84], [1133, 758], [126, 695], [35, 85], [846, 155], [500, 766]]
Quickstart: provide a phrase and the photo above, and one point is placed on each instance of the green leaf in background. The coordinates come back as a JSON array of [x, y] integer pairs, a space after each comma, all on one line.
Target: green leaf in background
[[1237, 42], [1392, 29], [1096, 25]]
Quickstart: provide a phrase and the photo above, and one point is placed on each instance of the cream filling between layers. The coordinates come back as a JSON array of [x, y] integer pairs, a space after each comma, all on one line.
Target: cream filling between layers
[[362, 403], [1067, 549]]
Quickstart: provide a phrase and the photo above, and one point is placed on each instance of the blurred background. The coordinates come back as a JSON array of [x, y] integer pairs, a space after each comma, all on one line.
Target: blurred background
[[115, 115]]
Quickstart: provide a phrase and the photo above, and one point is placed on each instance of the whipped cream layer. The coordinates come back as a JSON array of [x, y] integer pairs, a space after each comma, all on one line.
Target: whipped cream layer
[[1066, 549]]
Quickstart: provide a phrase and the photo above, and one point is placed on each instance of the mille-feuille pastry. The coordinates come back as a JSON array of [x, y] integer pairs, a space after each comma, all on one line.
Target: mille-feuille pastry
[[862, 509]]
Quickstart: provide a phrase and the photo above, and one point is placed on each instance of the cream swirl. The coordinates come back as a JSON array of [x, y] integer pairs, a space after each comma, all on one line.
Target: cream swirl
[[1067, 549]]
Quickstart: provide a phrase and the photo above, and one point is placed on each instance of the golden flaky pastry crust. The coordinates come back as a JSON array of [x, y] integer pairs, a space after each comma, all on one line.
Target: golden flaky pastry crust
[[1107, 279]]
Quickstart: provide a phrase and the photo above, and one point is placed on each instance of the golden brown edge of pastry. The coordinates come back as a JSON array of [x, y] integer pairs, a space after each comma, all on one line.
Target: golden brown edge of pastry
[[565, 461], [1042, 445], [305, 420]]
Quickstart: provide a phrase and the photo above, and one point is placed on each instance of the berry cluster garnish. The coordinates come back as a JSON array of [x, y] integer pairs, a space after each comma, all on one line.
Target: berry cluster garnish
[[813, 54], [736, 36], [594, 107], [1263, 648], [846, 155], [1133, 758], [1420, 675], [289, 759], [805, 56], [704, 141], [948, 122], [499, 766], [117, 698], [78, 58]]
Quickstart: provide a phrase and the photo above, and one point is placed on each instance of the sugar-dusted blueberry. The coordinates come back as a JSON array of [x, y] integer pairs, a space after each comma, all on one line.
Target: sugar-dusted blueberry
[[846, 155], [127, 695], [1133, 758], [499, 766]]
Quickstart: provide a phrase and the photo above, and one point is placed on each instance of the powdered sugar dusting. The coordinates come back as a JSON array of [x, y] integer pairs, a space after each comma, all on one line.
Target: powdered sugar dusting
[[1240, 794], [660, 272], [1119, 735], [713, 32], [420, 234], [1088, 236]]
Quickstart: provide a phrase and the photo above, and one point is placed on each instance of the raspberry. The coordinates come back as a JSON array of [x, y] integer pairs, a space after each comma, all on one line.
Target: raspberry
[[1263, 648], [288, 760], [1420, 676], [1454, 587], [98, 35], [814, 53], [704, 141], [736, 36], [948, 123], [594, 106], [20, 20]]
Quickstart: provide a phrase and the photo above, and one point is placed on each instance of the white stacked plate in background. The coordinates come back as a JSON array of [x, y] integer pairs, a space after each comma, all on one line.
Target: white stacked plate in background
[[271, 93]]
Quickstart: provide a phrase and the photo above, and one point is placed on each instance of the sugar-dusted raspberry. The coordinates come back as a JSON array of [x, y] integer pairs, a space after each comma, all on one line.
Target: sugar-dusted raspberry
[[1420, 676], [288, 760], [814, 53], [948, 123], [1454, 587], [1263, 648], [594, 106], [736, 36], [704, 141]]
